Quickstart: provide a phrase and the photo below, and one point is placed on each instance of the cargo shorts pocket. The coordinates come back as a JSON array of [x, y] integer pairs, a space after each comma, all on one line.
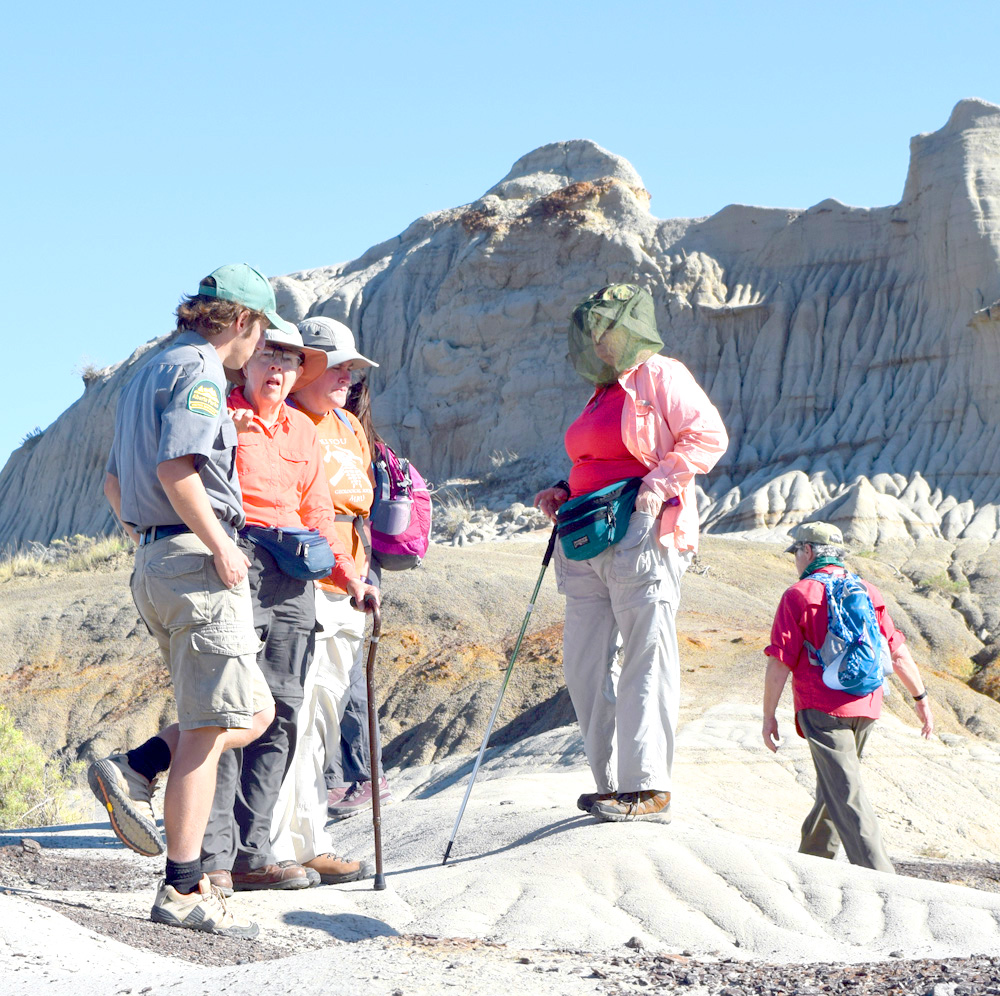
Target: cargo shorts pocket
[[177, 586], [225, 639]]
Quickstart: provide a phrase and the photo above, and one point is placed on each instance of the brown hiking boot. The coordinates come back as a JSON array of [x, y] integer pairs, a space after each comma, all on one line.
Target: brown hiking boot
[[222, 880], [336, 871], [586, 801], [287, 875], [651, 806]]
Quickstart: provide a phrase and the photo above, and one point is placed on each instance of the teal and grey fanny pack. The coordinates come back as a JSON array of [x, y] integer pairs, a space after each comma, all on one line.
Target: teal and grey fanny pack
[[588, 525]]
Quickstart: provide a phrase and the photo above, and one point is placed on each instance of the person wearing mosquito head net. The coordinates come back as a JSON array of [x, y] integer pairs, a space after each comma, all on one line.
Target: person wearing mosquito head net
[[628, 528]]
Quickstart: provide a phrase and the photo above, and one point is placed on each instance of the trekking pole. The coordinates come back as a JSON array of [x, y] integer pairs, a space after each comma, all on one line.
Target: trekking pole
[[373, 742], [503, 688]]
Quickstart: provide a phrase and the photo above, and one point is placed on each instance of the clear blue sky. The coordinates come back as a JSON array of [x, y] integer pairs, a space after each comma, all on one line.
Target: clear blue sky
[[146, 144]]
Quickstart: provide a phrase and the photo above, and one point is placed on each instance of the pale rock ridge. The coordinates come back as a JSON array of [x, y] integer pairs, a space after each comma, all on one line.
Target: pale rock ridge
[[852, 351]]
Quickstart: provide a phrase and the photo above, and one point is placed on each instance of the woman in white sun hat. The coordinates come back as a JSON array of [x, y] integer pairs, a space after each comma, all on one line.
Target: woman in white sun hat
[[334, 734]]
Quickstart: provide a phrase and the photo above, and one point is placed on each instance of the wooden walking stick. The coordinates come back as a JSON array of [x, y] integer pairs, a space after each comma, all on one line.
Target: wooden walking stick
[[373, 741]]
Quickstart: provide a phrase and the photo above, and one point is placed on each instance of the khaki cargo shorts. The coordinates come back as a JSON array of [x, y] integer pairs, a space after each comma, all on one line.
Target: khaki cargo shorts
[[205, 632]]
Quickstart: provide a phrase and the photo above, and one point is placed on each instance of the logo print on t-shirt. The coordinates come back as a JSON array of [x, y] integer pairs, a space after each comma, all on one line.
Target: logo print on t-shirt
[[346, 475]]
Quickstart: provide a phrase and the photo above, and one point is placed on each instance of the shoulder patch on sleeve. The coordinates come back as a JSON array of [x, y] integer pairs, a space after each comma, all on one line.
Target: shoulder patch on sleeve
[[205, 398]]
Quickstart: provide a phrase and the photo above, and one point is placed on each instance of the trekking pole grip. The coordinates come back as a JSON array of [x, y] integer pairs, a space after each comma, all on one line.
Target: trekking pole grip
[[551, 547]]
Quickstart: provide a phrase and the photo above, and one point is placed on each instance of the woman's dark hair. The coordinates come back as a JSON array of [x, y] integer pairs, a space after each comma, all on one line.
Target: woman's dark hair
[[359, 404]]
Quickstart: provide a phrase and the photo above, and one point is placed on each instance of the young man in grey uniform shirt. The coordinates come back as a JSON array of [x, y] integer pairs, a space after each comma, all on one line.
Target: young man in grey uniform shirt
[[171, 479]]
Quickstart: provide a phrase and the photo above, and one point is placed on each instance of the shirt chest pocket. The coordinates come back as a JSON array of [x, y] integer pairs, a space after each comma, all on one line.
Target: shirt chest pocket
[[293, 469], [226, 440], [646, 418], [227, 437]]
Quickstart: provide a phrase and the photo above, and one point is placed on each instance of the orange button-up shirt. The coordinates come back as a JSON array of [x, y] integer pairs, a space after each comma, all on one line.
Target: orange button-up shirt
[[281, 475]]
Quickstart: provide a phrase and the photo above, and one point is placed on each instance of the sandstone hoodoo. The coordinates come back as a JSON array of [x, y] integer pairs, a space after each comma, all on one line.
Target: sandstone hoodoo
[[851, 351]]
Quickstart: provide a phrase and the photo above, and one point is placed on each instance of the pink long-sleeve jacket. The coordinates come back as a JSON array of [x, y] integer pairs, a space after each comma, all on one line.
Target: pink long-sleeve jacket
[[669, 424]]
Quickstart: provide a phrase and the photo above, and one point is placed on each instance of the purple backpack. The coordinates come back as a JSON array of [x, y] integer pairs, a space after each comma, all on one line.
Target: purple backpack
[[401, 512]]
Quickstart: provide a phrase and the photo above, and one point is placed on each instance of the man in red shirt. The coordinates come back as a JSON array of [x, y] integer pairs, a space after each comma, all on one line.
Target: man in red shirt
[[835, 723]]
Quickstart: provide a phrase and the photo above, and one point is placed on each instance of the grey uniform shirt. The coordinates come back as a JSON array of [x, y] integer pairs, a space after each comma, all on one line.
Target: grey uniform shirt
[[175, 406]]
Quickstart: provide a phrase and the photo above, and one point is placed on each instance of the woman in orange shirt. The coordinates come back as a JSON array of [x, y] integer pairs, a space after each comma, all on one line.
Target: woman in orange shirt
[[282, 478]]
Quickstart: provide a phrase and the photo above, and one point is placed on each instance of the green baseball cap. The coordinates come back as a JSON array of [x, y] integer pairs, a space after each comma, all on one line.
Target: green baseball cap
[[816, 534], [241, 283]]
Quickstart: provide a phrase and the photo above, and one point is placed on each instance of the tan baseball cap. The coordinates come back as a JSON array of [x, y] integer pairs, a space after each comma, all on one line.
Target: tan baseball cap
[[816, 534]]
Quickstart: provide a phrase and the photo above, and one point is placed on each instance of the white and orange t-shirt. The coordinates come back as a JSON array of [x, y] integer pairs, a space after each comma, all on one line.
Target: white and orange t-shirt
[[347, 461]]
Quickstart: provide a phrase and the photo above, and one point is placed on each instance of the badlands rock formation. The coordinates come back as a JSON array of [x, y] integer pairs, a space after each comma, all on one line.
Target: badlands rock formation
[[852, 351]]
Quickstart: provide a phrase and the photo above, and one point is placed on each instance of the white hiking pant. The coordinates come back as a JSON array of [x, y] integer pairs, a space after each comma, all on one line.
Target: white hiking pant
[[298, 827], [627, 598]]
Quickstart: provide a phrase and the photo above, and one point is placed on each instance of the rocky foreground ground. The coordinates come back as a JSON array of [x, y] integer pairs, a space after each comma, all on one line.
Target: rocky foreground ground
[[83, 678]]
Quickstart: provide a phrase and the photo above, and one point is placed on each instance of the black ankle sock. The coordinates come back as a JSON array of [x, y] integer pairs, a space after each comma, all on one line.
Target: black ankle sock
[[150, 758], [184, 876]]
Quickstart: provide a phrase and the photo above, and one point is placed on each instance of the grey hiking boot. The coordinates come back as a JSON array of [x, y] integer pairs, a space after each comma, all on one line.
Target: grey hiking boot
[[651, 806], [204, 909], [126, 795]]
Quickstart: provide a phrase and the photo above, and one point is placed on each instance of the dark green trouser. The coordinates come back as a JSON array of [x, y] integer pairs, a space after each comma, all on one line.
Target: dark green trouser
[[842, 809]]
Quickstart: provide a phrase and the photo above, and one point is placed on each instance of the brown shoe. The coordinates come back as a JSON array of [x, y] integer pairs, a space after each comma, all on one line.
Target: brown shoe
[[586, 801], [336, 871], [287, 875], [222, 880], [652, 806]]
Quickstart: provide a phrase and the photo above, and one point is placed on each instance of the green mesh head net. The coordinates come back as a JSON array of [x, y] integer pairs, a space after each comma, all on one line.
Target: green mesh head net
[[611, 332]]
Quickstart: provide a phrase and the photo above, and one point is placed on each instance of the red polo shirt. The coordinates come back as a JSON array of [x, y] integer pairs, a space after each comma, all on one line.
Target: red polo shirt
[[801, 616], [281, 475]]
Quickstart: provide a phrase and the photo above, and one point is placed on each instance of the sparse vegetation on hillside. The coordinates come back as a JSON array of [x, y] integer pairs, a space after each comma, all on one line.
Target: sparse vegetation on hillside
[[34, 790], [75, 553]]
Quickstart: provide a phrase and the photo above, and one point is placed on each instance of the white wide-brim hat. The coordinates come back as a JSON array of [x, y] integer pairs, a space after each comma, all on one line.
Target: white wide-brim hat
[[336, 341], [287, 336]]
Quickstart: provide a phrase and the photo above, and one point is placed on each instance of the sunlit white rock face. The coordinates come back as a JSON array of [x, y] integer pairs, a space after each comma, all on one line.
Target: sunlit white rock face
[[853, 352]]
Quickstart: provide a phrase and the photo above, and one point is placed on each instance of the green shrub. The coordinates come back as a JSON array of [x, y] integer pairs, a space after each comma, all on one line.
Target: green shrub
[[34, 791], [944, 584]]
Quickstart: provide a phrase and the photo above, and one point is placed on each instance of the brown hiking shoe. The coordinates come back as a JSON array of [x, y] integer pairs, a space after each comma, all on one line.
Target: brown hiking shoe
[[336, 871], [651, 806], [126, 795], [287, 875], [586, 801]]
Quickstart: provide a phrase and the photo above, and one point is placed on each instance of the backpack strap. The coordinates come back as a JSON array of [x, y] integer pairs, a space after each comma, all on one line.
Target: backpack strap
[[359, 528]]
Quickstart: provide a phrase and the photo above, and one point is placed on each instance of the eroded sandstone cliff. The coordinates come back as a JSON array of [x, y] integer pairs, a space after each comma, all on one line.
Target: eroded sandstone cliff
[[852, 351]]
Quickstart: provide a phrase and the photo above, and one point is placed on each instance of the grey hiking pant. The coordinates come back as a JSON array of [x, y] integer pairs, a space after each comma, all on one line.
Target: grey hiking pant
[[842, 809], [239, 827]]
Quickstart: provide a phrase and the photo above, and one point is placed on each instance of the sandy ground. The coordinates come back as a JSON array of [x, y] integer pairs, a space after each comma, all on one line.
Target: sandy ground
[[539, 898]]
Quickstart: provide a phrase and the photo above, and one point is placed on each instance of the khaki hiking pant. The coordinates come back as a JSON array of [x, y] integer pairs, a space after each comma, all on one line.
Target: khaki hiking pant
[[625, 597], [842, 810]]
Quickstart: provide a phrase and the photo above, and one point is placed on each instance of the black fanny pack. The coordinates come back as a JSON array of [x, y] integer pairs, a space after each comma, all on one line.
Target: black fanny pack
[[300, 553]]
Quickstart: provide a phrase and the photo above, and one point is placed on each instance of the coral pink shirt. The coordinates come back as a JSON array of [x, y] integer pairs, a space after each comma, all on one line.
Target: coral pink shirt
[[594, 444], [672, 428], [801, 616]]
